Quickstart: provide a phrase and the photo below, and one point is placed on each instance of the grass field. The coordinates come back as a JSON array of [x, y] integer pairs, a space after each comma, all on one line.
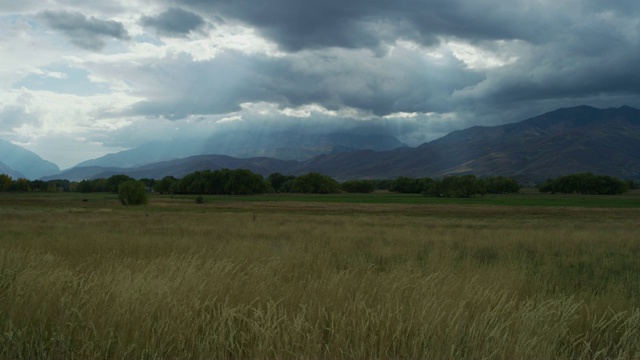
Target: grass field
[[373, 276]]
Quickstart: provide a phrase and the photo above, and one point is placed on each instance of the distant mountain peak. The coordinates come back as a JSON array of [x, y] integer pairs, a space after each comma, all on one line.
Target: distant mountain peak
[[283, 145], [5, 169], [563, 141], [25, 162]]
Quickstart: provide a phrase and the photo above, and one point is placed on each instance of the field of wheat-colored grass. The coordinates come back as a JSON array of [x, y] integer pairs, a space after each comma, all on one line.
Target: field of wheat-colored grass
[[174, 279]]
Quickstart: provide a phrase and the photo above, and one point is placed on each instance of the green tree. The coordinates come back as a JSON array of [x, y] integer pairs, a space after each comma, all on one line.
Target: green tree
[[39, 185], [149, 183], [84, 186], [5, 182], [132, 192], [455, 186], [58, 185], [165, 185], [383, 184], [470, 185], [280, 183], [501, 185], [22, 185], [114, 182], [434, 188], [244, 182], [358, 186], [315, 183], [406, 185], [585, 183]]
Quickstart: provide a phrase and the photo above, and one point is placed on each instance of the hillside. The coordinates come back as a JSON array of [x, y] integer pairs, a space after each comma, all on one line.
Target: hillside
[[4, 169], [279, 145], [564, 141], [580, 139], [19, 160], [181, 167]]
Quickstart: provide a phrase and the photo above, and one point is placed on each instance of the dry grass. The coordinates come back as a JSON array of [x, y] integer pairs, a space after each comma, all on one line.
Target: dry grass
[[292, 280]]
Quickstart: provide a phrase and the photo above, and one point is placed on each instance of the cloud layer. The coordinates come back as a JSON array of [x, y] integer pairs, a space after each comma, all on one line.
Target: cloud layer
[[107, 76], [86, 32], [174, 22]]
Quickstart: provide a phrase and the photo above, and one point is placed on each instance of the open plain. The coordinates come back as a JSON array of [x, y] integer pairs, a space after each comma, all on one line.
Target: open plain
[[319, 277]]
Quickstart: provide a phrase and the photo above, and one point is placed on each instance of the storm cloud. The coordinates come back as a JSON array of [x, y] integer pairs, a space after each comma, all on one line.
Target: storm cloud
[[415, 69], [571, 50], [299, 25], [86, 32], [337, 79], [174, 22]]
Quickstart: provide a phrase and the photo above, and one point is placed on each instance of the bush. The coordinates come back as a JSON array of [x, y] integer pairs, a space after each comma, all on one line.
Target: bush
[[132, 192], [315, 183], [501, 185], [406, 185], [281, 183], [586, 183], [358, 186], [455, 186], [113, 183]]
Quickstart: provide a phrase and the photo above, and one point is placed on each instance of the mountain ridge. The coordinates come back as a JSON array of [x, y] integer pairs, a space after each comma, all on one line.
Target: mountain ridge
[[7, 170], [569, 140], [280, 145], [24, 162], [559, 142]]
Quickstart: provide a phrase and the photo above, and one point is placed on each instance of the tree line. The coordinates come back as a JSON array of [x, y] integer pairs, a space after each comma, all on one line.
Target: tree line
[[587, 184], [463, 186], [245, 182], [8, 184], [221, 182]]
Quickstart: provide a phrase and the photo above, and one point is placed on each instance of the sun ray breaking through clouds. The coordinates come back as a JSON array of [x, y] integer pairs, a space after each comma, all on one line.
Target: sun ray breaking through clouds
[[95, 77]]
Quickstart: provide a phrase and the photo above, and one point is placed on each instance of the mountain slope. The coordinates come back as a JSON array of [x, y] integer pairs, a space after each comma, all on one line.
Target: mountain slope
[[280, 145], [181, 167], [4, 169], [580, 139], [563, 141], [25, 162]]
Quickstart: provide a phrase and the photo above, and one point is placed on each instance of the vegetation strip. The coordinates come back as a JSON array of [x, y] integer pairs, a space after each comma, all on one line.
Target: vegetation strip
[[176, 279]]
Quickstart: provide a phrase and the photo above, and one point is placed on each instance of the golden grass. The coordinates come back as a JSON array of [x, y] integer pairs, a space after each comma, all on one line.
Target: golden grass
[[301, 280]]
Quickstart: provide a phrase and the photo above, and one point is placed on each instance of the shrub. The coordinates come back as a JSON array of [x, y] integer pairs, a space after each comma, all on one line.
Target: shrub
[[455, 186], [315, 183], [358, 186], [586, 183], [132, 192], [501, 185]]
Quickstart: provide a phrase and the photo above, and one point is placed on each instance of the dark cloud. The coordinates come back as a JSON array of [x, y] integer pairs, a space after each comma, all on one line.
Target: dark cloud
[[579, 65], [174, 22], [85, 32], [347, 55], [297, 25], [399, 82]]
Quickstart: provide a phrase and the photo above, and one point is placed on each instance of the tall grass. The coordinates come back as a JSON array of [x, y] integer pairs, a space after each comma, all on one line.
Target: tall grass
[[178, 280]]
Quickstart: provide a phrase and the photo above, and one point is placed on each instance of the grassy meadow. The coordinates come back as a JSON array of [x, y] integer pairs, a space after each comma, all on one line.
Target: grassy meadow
[[306, 277]]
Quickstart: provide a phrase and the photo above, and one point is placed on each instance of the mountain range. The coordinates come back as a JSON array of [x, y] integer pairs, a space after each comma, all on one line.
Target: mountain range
[[564, 141], [18, 162], [568, 140], [285, 145]]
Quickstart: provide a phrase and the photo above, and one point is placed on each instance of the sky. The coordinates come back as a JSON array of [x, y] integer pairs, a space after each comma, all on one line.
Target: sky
[[83, 78]]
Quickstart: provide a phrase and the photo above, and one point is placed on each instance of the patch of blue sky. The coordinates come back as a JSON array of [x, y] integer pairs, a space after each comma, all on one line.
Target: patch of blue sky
[[62, 79], [14, 19], [144, 38]]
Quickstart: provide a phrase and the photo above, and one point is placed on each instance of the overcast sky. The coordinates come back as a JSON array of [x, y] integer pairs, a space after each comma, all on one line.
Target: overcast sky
[[82, 78]]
